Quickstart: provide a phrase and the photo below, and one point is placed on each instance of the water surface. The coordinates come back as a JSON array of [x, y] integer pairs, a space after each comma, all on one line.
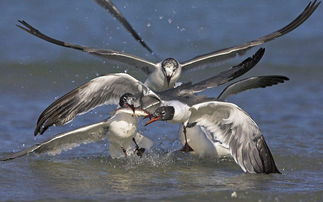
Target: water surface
[[34, 73]]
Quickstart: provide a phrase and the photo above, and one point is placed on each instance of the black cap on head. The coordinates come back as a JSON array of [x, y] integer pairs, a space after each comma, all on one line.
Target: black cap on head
[[127, 100], [165, 112]]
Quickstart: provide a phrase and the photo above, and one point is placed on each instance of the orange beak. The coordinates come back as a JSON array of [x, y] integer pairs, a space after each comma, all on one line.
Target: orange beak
[[153, 120]]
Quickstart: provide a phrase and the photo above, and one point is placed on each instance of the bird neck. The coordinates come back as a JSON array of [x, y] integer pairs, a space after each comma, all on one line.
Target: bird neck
[[182, 112]]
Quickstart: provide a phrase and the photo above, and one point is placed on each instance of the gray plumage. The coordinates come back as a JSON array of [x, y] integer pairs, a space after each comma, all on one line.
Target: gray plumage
[[65, 141], [99, 91], [237, 132], [243, 48], [197, 61], [108, 5], [251, 83]]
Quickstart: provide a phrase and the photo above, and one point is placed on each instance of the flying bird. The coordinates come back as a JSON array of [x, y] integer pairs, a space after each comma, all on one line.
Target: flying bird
[[164, 74]]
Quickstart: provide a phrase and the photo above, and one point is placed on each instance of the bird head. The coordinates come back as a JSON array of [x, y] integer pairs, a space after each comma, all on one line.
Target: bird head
[[163, 113], [169, 66], [127, 100]]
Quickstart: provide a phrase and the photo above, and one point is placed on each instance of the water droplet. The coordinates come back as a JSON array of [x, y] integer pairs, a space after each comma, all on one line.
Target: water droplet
[[148, 25], [170, 21]]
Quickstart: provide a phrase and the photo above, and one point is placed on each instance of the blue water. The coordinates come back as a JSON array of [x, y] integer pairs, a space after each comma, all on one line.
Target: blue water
[[35, 72]]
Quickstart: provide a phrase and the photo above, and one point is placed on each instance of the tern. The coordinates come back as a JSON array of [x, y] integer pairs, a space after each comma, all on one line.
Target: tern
[[120, 130], [164, 74]]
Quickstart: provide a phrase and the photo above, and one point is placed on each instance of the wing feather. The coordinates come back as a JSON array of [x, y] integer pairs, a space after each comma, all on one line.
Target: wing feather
[[99, 91], [108, 5], [238, 132], [146, 66], [65, 141], [227, 53], [251, 83]]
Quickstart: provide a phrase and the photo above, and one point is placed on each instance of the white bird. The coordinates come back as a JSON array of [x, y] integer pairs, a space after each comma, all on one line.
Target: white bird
[[120, 130], [132, 93], [223, 129], [108, 90], [164, 74]]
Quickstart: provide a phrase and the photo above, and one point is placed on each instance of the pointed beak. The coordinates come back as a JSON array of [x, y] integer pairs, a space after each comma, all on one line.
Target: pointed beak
[[153, 120], [148, 116], [168, 79], [131, 107]]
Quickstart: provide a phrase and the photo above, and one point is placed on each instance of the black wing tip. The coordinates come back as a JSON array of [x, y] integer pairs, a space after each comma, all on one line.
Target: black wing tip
[[268, 163]]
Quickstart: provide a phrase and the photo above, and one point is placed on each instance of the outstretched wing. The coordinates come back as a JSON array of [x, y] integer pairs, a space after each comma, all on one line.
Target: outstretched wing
[[235, 129], [65, 141], [108, 5], [241, 49], [187, 91], [128, 59], [251, 83], [99, 91]]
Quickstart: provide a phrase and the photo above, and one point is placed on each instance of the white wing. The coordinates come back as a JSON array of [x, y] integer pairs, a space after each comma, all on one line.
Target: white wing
[[135, 61], [99, 91], [235, 129], [227, 53], [65, 141]]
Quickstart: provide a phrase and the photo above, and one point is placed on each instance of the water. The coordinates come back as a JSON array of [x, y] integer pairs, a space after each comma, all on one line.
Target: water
[[35, 72]]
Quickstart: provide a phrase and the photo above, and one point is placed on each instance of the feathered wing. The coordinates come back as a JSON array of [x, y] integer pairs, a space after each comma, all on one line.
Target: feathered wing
[[146, 66], [99, 91], [251, 83], [108, 5], [227, 75], [186, 92], [237, 132], [227, 53], [65, 141]]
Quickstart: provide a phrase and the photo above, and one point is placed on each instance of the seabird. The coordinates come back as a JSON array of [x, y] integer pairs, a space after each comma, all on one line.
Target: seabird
[[105, 89], [164, 74], [120, 131], [109, 88], [225, 130]]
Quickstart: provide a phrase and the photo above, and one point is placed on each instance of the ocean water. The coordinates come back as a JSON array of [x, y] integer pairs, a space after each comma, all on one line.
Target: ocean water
[[34, 73]]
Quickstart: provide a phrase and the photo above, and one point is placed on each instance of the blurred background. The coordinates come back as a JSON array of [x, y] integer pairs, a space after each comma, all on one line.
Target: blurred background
[[35, 72]]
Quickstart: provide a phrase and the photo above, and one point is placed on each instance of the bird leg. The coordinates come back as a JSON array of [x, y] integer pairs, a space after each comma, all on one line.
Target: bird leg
[[124, 151], [186, 147], [139, 151]]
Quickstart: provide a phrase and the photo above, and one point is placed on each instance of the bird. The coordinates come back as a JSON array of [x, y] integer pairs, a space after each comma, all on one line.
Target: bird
[[164, 74], [105, 89], [224, 129], [120, 130], [109, 88]]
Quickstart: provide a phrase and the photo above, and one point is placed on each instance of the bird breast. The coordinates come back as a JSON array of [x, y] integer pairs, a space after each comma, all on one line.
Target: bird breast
[[123, 126]]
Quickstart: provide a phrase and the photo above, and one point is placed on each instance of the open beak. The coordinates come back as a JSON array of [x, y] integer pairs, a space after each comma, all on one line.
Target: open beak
[[168, 79], [153, 120]]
